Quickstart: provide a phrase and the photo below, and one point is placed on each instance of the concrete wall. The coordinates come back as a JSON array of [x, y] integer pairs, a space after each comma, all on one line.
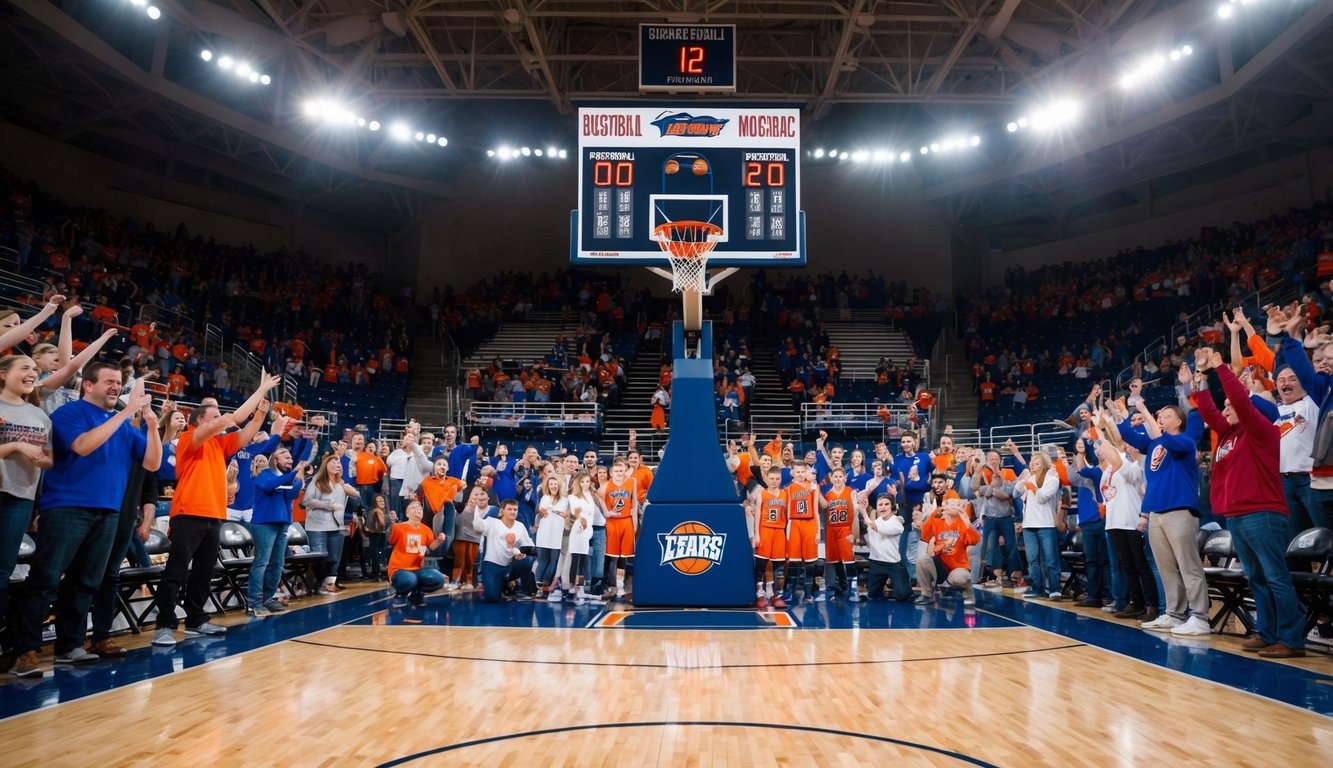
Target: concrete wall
[[1297, 181], [83, 178]]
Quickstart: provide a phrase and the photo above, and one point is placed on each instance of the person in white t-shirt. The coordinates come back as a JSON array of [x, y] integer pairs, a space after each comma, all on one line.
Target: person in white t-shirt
[[1297, 422], [552, 511], [581, 504], [504, 540], [1122, 492]]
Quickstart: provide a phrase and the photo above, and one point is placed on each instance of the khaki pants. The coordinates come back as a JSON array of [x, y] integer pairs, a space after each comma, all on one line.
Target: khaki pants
[[1173, 537]]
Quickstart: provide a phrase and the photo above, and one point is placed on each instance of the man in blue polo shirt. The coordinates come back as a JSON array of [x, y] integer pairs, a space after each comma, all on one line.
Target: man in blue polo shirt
[[94, 446]]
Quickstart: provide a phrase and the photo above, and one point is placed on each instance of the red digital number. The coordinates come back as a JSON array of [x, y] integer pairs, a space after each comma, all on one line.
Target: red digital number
[[606, 173], [691, 60], [765, 174]]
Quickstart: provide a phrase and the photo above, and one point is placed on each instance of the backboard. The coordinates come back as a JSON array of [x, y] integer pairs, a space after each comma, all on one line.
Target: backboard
[[640, 167]]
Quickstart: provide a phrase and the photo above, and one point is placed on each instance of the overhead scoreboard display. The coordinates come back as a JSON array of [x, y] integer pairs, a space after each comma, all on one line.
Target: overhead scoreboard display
[[641, 167], [687, 58]]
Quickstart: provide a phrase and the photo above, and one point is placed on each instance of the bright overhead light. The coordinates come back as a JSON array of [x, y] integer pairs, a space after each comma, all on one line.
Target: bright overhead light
[[860, 155], [400, 131], [1011, 127], [374, 125], [206, 55], [883, 156], [925, 150], [934, 146], [1188, 50], [526, 151], [905, 157], [1224, 12], [974, 141], [843, 155], [490, 153], [254, 77], [312, 108], [419, 135], [265, 79], [505, 153], [550, 151], [819, 152], [537, 152], [430, 138], [442, 141], [138, 3], [243, 68], [154, 13], [224, 62], [564, 153]]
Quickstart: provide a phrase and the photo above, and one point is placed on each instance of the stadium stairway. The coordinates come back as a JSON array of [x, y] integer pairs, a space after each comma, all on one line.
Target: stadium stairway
[[427, 394], [635, 409], [960, 402], [863, 340], [770, 409]]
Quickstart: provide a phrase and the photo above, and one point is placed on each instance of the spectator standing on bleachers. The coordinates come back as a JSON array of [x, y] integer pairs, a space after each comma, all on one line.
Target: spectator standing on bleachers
[[1169, 442], [25, 450], [199, 508], [92, 447], [1246, 489]]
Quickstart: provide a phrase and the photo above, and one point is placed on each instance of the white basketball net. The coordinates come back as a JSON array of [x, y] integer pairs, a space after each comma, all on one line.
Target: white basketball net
[[687, 246]]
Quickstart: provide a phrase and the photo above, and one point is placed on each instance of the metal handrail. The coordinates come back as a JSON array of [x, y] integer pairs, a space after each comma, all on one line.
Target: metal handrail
[[566, 416]]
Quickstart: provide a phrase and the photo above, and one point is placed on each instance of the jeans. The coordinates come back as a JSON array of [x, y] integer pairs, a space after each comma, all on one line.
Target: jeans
[[595, 568], [1260, 541], [547, 560], [194, 552], [446, 522], [375, 559], [396, 503], [330, 543], [407, 582], [1095, 559], [15, 515], [266, 569], [103, 608], [1043, 550], [893, 572], [73, 542], [494, 577], [995, 528], [1300, 503]]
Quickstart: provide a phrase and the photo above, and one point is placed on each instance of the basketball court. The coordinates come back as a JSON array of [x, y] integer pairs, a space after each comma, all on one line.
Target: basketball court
[[352, 682]]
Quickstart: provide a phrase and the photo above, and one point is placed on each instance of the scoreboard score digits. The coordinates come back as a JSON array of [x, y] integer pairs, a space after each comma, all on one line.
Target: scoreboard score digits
[[687, 58], [641, 167]]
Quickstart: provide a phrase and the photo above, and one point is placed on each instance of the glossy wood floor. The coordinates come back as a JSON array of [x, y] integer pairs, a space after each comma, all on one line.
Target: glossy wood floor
[[448, 696]]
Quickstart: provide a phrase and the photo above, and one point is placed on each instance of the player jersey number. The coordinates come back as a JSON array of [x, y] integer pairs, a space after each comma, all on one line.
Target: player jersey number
[[836, 516]]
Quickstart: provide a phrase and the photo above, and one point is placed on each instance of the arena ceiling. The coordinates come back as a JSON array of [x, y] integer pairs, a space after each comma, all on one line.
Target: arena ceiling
[[98, 74]]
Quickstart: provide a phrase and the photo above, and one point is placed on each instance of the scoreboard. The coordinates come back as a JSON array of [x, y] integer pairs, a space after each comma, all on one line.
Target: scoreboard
[[640, 167]]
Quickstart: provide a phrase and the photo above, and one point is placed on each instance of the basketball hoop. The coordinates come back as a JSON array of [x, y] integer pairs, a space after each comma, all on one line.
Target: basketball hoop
[[687, 245]]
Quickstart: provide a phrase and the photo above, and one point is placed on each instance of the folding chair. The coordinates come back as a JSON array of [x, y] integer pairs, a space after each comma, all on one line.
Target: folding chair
[[297, 568], [235, 555], [132, 582], [1226, 581], [1076, 563], [1310, 556]]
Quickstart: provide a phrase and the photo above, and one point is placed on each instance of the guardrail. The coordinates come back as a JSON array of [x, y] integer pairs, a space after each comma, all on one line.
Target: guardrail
[[582, 417], [213, 342], [888, 421], [246, 369]]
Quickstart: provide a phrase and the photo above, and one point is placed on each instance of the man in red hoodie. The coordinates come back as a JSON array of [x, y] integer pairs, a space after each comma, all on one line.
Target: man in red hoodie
[[1246, 489]]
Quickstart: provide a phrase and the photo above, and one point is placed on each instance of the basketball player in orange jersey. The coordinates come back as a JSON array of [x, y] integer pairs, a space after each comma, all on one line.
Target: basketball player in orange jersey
[[838, 503], [770, 545], [802, 533], [620, 497]]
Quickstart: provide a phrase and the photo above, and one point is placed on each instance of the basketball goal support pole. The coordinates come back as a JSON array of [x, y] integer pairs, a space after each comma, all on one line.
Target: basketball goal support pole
[[693, 491]]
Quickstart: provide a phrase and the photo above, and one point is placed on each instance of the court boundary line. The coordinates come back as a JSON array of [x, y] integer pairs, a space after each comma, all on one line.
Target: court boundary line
[[631, 665], [968, 759], [1173, 670]]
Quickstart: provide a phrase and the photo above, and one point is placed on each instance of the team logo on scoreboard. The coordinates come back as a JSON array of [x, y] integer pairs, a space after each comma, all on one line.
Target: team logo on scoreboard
[[692, 547], [692, 126]]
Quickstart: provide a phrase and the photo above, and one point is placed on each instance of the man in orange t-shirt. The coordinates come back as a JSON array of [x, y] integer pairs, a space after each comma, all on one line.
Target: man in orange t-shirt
[[410, 542], [439, 491], [946, 537], [199, 508]]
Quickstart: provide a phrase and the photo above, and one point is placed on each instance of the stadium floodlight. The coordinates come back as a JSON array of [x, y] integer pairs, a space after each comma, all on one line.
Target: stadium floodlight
[[400, 131], [1188, 50], [206, 55], [905, 157], [253, 77], [975, 141], [442, 141], [224, 62], [564, 153], [550, 151], [1224, 12], [934, 146], [527, 151], [490, 153], [373, 125], [430, 138], [843, 155], [860, 155], [505, 153], [243, 69], [537, 152], [883, 156], [265, 79], [819, 152], [925, 150], [154, 12], [1011, 127]]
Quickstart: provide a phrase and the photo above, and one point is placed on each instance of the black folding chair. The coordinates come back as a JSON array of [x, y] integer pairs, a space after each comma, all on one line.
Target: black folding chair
[[1077, 564], [1310, 556], [235, 555], [298, 567], [133, 582], [1227, 584]]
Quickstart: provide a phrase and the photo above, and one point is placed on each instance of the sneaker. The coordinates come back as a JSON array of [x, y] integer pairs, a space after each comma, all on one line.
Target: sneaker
[[398, 601], [762, 603], [777, 602], [969, 598], [451, 587], [1164, 623], [1054, 597], [78, 656], [107, 649], [1318, 638], [1113, 608], [1280, 651], [555, 596], [1020, 588], [164, 638], [207, 629], [923, 600], [275, 606], [28, 666], [257, 611], [991, 584], [853, 596], [327, 591], [1192, 627]]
